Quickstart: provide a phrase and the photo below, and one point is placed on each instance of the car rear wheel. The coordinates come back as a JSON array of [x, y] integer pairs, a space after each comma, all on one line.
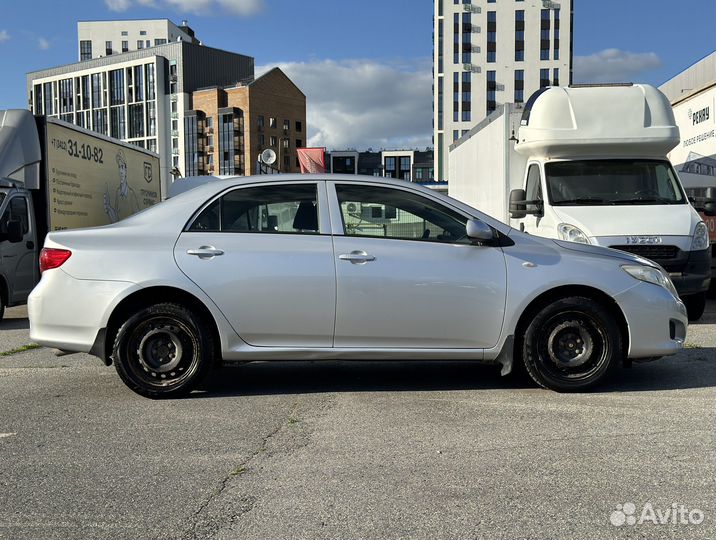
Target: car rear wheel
[[161, 351], [571, 344]]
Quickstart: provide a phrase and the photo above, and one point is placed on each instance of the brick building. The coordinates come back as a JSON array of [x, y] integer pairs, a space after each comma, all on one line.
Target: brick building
[[228, 127]]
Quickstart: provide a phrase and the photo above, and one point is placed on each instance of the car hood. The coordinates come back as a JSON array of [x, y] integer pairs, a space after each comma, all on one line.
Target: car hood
[[596, 221], [603, 251]]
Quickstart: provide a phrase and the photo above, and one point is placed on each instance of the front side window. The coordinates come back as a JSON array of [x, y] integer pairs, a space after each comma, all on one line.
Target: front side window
[[534, 185], [264, 209], [392, 213]]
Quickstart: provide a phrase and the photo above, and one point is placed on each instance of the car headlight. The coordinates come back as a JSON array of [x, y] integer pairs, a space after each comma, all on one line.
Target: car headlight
[[651, 274], [701, 237], [570, 233]]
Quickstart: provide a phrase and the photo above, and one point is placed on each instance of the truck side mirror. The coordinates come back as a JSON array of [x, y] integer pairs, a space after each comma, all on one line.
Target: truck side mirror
[[14, 231], [710, 202], [518, 208]]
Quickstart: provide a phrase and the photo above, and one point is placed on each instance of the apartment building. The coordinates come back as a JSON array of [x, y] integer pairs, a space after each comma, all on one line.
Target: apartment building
[[228, 127], [96, 39], [139, 96], [490, 52]]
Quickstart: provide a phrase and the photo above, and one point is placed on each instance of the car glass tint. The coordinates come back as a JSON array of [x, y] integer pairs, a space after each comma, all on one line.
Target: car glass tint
[[393, 213], [264, 209]]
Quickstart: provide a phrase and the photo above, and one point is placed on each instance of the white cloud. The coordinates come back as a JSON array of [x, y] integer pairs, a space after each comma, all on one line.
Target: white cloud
[[364, 103], [200, 7], [43, 44], [613, 65], [118, 5], [4, 36]]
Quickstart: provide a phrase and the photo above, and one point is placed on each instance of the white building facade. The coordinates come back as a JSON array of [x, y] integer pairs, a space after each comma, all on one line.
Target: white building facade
[[490, 52], [139, 96], [96, 39]]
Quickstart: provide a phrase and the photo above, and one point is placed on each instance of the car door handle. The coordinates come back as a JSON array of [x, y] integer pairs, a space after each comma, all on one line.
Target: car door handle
[[356, 257], [205, 252]]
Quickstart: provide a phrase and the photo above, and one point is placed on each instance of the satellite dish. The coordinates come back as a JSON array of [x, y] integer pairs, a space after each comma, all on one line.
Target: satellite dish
[[268, 156]]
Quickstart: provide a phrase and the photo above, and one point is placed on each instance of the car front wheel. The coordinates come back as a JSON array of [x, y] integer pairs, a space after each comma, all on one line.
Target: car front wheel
[[161, 351], [571, 344]]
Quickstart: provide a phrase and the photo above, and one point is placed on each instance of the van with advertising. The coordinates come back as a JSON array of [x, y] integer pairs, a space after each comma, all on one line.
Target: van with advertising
[[54, 176]]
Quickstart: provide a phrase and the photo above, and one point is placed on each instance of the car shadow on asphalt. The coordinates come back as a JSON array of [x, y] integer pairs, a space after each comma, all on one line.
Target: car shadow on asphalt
[[22, 323], [697, 370]]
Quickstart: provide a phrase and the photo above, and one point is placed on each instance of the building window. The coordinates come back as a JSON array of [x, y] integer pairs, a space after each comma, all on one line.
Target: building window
[[299, 143], [519, 86], [140, 44], [136, 121], [286, 125], [466, 90], [299, 126], [556, 34], [466, 38], [544, 35], [85, 49], [125, 46], [440, 45], [519, 35], [262, 140], [272, 122], [260, 121], [455, 134], [142, 32], [555, 77], [116, 87], [273, 141], [543, 77], [108, 48], [125, 33], [160, 41], [491, 36], [491, 91]]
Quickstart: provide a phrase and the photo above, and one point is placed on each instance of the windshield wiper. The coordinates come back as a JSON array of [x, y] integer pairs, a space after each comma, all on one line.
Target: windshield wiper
[[581, 200], [645, 200]]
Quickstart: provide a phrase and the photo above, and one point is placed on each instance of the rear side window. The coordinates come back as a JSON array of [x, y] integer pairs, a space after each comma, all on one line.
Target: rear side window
[[264, 209]]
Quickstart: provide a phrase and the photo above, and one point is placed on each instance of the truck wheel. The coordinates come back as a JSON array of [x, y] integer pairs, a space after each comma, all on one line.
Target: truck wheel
[[161, 351], [695, 305], [571, 344]]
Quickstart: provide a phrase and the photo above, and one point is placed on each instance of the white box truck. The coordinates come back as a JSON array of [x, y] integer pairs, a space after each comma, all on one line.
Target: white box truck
[[588, 164], [54, 175]]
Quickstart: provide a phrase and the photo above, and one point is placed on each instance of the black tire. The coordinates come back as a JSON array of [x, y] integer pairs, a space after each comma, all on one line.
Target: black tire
[[2, 308], [695, 305], [163, 351], [571, 344]]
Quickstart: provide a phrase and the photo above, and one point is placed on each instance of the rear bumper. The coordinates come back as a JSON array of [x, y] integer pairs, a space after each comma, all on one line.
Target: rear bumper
[[68, 313], [657, 321]]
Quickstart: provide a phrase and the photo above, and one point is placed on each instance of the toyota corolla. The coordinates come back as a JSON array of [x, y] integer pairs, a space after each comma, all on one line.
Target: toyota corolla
[[343, 267]]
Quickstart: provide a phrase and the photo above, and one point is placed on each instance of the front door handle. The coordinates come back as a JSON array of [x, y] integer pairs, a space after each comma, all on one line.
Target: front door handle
[[205, 252], [356, 257]]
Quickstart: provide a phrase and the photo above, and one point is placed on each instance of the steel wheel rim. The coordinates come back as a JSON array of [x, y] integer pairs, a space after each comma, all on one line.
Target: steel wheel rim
[[572, 346], [162, 351]]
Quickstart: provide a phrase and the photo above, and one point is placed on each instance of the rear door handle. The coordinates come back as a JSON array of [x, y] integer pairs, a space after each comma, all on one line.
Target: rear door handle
[[356, 257], [205, 252]]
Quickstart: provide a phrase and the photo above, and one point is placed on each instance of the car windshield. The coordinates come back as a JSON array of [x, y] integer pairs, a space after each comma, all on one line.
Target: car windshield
[[612, 182]]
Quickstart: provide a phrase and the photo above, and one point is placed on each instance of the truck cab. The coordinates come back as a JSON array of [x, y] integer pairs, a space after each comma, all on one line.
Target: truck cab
[[19, 271], [597, 173]]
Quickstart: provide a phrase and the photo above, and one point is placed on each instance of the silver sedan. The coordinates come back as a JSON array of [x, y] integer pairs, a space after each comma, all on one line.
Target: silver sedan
[[343, 267]]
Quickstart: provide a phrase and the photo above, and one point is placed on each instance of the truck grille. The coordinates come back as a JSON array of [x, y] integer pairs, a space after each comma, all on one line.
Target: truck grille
[[655, 253]]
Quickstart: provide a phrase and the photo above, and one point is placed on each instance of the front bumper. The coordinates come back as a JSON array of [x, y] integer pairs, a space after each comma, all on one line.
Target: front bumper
[[67, 313], [694, 275], [656, 320]]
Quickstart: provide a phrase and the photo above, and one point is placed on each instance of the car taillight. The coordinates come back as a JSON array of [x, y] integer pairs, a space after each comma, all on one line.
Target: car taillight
[[53, 258]]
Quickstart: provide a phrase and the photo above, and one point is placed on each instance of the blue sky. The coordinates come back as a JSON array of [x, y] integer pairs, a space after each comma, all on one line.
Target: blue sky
[[364, 65]]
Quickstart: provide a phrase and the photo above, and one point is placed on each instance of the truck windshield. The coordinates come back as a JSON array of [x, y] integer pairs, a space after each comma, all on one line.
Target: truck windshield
[[612, 182]]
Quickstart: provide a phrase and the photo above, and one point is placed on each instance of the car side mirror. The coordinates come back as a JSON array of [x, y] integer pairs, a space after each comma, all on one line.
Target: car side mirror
[[14, 231], [479, 230]]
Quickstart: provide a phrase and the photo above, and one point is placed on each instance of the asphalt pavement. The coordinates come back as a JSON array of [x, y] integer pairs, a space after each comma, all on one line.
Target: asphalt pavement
[[356, 450]]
